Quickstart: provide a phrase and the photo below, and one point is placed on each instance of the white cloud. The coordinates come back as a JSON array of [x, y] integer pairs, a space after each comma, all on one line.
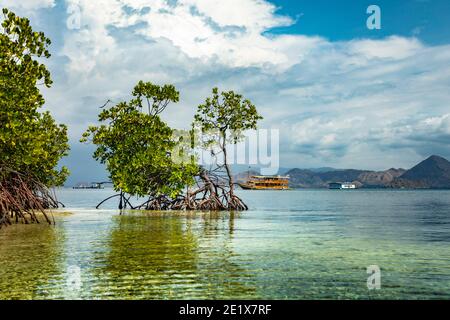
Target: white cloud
[[256, 15], [27, 4], [391, 48], [420, 133], [229, 32], [359, 103]]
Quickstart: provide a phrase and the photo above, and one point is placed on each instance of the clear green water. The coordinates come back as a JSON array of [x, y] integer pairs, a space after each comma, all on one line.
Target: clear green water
[[310, 244]]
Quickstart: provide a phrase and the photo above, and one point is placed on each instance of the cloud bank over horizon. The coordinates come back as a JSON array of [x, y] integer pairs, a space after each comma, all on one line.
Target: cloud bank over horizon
[[362, 103]]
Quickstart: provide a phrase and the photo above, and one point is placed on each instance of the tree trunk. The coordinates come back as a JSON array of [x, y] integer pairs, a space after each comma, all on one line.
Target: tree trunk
[[225, 162]]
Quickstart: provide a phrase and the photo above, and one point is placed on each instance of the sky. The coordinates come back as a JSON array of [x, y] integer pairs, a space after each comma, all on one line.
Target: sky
[[340, 94]]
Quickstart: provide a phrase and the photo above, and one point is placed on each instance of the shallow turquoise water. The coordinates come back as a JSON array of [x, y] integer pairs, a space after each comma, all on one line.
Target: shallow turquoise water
[[303, 244]]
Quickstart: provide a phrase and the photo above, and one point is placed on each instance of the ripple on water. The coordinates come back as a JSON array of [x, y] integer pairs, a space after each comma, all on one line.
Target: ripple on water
[[301, 245]]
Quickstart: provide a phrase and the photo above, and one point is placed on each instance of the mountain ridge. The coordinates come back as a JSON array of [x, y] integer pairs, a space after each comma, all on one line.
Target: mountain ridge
[[431, 173]]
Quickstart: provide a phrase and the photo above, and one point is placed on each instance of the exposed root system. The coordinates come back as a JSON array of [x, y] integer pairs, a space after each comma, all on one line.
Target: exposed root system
[[213, 193], [22, 198]]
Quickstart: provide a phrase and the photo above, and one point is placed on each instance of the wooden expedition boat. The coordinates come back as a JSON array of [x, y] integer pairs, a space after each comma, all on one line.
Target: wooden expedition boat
[[266, 183]]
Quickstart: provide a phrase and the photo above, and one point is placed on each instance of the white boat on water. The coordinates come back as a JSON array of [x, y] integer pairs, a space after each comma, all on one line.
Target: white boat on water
[[340, 185]]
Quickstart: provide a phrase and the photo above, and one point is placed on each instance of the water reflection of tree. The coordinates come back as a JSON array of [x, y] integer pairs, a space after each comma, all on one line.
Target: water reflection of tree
[[169, 256], [224, 276], [30, 259]]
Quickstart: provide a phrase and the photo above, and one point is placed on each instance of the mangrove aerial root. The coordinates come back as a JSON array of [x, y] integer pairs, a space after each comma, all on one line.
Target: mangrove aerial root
[[201, 199], [22, 197], [213, 193], [123, 201]]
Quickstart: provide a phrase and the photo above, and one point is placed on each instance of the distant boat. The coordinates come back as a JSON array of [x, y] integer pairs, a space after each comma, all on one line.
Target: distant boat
[[266, 183], [93, 185], [340, 185]]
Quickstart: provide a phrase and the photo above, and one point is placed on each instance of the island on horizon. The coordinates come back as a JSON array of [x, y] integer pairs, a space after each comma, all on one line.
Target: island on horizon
[[431, 173]]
